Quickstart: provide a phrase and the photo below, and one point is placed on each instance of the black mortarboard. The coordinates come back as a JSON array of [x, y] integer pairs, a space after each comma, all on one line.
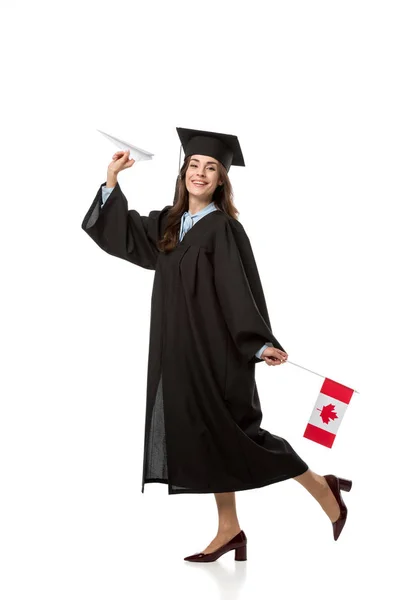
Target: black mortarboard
[[221, 146]]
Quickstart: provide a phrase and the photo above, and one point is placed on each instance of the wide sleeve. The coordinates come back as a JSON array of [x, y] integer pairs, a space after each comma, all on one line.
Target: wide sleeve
[[240, 292], [124, 233]]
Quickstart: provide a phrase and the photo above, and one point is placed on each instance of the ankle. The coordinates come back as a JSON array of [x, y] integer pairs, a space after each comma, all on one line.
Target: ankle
[[228, 527]]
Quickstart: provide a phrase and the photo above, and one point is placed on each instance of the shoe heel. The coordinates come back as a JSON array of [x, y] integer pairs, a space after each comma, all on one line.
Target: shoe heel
[[345, 484], [241, 553]]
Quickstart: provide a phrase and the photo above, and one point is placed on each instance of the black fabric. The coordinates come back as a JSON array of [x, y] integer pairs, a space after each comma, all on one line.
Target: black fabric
[[209, 146], [222, 146], [202, 429]]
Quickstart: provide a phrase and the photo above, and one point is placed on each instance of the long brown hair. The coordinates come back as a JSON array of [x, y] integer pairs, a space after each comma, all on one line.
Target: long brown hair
[[222, 197]]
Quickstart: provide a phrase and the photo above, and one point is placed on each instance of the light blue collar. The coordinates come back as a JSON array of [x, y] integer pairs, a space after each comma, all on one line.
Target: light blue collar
[[188, 220], [204, 211]]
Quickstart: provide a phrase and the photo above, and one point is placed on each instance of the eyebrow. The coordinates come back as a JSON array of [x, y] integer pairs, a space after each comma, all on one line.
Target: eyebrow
[[209, 162]]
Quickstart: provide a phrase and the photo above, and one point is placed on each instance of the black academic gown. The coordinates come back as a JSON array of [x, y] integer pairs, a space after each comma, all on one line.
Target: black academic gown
[[208, 318]]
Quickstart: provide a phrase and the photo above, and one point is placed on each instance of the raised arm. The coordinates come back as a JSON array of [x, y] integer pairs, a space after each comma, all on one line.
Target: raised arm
[[122, 232], [119, 231]]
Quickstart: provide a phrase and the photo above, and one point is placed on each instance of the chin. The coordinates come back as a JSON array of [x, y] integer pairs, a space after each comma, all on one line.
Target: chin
[[199, 192]]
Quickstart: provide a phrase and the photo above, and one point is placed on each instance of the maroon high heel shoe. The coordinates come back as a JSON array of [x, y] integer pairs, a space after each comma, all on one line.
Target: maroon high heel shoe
[[238, 543], [336, 484]]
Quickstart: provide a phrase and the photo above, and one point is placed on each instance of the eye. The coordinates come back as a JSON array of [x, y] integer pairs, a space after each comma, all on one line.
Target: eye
[[193, 165]]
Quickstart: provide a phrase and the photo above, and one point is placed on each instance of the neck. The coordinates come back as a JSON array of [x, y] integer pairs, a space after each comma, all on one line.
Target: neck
[[197, 203]]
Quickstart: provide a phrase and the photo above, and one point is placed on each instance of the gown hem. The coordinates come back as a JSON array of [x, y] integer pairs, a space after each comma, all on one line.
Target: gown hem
[[236, 488]]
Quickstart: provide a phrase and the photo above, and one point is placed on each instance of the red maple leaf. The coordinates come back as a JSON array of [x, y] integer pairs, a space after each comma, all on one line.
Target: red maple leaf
[[327, 413]]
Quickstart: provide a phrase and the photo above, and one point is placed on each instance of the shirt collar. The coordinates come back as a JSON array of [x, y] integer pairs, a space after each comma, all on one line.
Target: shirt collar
[[204, 211]]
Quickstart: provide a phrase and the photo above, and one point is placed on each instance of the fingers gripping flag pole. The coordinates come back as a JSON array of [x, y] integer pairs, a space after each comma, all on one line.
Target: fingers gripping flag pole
[[332, 402]]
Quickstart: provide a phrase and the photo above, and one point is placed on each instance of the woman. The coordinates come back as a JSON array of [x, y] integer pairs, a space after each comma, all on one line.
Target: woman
[[209, 327]]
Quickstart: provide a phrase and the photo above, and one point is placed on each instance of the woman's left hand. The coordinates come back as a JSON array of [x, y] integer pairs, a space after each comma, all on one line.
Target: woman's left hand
[[274, 356]]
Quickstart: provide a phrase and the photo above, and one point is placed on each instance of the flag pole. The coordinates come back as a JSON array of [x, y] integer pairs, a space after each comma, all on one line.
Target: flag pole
[[292, 363]]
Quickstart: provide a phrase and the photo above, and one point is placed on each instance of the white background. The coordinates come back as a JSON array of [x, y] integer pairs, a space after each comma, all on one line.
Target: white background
[[311, 88]]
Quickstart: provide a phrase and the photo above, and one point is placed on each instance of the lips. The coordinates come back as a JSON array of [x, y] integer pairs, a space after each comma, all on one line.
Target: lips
[[199, 183]]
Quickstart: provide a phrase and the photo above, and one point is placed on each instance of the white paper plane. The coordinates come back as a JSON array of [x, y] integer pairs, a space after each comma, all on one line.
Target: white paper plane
[[134, 151]]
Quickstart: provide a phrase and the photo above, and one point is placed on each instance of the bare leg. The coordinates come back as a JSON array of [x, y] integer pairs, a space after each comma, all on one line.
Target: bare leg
[[228, 523], [320, 490]]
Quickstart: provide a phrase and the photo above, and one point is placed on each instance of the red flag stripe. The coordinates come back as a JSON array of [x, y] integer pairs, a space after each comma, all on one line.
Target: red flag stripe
[[316, 434], [337, 390]]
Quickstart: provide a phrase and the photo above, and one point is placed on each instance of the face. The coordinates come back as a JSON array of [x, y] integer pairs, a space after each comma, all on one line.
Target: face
[[202, 176]]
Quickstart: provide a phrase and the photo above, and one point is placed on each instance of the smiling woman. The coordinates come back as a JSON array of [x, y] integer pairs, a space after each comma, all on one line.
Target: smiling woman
[[209, 328]]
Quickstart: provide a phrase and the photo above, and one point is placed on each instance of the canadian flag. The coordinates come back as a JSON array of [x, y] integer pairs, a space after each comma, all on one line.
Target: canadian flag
[[331, 404]]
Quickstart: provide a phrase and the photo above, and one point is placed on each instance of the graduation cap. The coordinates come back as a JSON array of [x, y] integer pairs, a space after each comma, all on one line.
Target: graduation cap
[[221, 146]]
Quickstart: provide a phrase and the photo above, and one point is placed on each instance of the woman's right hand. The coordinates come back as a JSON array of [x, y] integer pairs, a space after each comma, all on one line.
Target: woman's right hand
[[120, 161]]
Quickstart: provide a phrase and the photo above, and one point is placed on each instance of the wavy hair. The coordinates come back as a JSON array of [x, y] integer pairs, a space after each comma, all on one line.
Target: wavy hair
[[222, 197]]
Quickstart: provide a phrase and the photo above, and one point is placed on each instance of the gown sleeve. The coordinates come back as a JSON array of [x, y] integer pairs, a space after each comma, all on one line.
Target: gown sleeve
[[240, 292], [124, 233]]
